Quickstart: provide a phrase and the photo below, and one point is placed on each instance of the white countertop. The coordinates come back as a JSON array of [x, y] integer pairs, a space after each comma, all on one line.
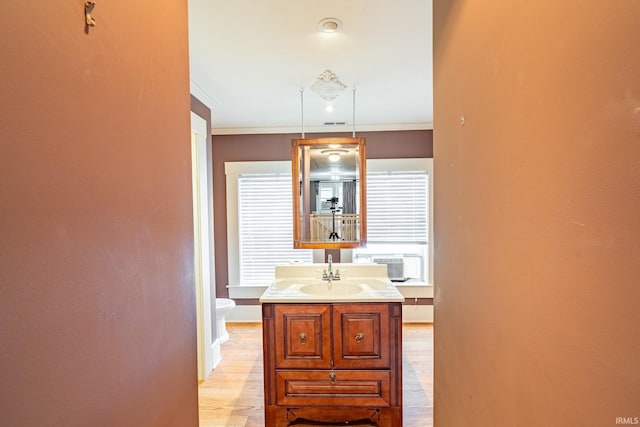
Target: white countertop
[[294, 284]]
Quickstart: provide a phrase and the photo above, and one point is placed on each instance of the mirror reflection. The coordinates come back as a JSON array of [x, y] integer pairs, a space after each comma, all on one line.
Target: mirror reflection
[[328, 179]]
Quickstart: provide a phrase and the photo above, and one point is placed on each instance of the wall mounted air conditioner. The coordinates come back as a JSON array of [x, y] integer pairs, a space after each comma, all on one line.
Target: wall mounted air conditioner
[[395, 267]]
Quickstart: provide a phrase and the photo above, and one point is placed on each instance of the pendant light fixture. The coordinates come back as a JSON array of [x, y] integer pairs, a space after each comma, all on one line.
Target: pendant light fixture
[[328, 87]]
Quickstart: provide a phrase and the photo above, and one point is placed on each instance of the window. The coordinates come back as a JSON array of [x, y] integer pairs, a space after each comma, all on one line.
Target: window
[[397, 204], [398, 216], [260, 230], [259, 207], [265, 226]]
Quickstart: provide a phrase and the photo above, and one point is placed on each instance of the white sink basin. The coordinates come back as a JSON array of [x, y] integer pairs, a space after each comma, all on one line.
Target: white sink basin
[[335, 288], [303, 283]]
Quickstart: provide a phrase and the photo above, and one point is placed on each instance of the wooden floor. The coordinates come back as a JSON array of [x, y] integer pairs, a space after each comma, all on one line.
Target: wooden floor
[[232, 396]]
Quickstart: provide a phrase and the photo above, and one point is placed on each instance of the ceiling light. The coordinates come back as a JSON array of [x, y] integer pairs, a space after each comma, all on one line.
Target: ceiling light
[[333, 154], [334, 151], [330, 25], [328, 86]]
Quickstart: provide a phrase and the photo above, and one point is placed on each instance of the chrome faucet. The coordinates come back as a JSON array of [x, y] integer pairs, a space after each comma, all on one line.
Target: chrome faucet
[[330, 275]]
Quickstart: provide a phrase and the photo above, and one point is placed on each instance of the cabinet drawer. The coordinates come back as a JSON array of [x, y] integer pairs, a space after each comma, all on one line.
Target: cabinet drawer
[[352, 388], [361, 338], [303, 336]]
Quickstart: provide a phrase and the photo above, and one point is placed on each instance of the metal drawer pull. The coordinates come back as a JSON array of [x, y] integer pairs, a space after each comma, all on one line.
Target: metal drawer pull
[[303, 338], [332, 377], [359, 337]]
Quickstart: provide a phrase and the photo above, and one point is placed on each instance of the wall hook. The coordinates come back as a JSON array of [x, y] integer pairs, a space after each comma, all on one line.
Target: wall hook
[[88, 19]]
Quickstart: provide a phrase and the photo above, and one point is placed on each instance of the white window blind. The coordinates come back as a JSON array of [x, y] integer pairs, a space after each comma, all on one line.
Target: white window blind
[[397, 207], [265, 227]]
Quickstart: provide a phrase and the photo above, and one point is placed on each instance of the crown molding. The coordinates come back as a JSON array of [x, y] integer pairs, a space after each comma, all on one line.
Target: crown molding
[[322, 129]]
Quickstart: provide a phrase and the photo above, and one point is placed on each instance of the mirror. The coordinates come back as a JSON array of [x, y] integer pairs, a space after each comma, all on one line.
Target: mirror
[[329, 203]]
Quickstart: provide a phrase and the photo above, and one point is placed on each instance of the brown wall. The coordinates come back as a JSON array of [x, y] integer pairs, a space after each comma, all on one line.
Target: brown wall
[[96, 242], [537, 200], [229, 148]]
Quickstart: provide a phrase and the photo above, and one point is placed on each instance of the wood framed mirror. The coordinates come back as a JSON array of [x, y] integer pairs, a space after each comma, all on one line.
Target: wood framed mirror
[[329, 193]]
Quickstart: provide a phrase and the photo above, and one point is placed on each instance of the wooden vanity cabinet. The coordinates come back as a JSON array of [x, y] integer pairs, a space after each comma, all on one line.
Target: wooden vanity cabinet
[[335, 363]]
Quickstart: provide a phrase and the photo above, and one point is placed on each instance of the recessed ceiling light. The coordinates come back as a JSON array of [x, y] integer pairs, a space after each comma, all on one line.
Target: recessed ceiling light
[[330, 25]]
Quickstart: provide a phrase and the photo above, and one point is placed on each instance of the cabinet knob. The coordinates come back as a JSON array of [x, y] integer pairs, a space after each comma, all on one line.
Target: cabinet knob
[[332, 377], [303, 338], [359, 337]]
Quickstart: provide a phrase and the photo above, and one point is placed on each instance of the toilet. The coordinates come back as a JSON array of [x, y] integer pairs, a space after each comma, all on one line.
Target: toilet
[[223, 306]]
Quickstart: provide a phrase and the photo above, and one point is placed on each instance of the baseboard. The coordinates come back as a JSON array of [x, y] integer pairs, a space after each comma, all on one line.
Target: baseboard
[[417, 313], [215, 351], [245, 313]]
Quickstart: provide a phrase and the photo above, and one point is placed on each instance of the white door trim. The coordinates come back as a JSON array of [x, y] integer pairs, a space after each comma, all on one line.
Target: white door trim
[[205, 291]]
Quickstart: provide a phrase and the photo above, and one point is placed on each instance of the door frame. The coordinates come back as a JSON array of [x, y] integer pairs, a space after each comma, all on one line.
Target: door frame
[[208, 345]]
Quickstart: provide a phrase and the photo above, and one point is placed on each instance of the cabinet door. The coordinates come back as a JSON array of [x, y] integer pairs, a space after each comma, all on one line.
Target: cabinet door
[[303, 335], [361, 336]]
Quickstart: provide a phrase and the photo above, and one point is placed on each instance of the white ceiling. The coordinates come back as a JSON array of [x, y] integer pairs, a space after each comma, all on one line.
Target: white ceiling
[[250, 59]]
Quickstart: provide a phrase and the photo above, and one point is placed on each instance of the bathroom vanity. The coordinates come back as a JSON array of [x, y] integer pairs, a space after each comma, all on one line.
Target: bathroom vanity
[[332, 348]]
